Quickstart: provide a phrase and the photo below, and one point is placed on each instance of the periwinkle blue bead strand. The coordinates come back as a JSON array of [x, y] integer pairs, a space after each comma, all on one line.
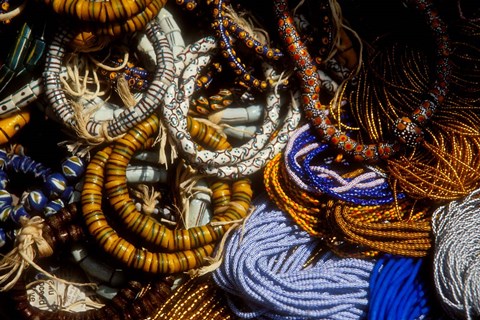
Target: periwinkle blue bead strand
[[272, 269]]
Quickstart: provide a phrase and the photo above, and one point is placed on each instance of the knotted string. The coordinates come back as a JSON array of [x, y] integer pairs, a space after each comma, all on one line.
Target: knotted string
[[272, 269], [29, 244]]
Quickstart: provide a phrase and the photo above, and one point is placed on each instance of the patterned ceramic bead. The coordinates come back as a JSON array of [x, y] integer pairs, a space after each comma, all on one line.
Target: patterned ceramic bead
[[5, 198], [36, 201], [67, 194], [408, 132], [5, 213], [73, 168], [3, 158], [17, 212], [53, 207], [55, 184], [3, 180], [3, 237]]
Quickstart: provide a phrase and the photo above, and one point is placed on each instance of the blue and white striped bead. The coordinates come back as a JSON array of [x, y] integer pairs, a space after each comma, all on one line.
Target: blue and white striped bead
[[3, 237], [67, 194], [3, 158], [73, 168], [5, 212]]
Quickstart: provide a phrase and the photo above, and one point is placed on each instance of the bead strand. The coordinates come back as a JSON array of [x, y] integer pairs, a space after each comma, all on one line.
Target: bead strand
[[128, 118], [406, 130]]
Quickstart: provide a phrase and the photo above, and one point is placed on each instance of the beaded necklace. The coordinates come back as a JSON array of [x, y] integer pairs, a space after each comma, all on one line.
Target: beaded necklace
[[186, 249], [198, 298], [240, 161], [272, 269], [406, 130], [370, 187], [38, 237], [109, 18], [137, 77], [223, 25], [352, 230], [38, 201], [111, 129], [398, 289], [117, 193]]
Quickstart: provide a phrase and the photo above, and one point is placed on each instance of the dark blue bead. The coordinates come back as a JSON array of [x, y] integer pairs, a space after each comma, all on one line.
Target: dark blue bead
[[67, 194], [55, 185], [3, 237], [5, 199], [73, 168], [3, 179], [36, 201], [18, 212], [5, 212], [3, 158], [53, 207]]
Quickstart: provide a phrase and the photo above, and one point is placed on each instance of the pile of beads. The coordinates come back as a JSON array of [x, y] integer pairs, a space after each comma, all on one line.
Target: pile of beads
[[225, 159], [54, 191]]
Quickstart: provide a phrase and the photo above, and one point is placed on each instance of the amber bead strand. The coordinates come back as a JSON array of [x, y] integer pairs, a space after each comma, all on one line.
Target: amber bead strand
[[146, 227], [194, 246], [407, 238], [197, 299]]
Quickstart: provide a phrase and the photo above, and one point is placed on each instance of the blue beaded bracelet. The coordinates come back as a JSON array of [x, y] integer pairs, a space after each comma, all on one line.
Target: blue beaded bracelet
[[54, 191]]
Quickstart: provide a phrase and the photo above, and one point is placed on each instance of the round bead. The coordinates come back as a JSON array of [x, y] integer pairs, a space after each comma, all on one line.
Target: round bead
[[36, 201], [55, 185], [17, 212], [3, 158], [407, 132], [67, 194], [3, 180], [53, 207], [5, 199], [3, 237], [73, 168], [5, 213]]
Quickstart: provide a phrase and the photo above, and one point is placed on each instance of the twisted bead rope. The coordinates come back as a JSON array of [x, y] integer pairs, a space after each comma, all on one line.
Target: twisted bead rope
[[272, 267], [399, 290], [456, 230], [310, 165]]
